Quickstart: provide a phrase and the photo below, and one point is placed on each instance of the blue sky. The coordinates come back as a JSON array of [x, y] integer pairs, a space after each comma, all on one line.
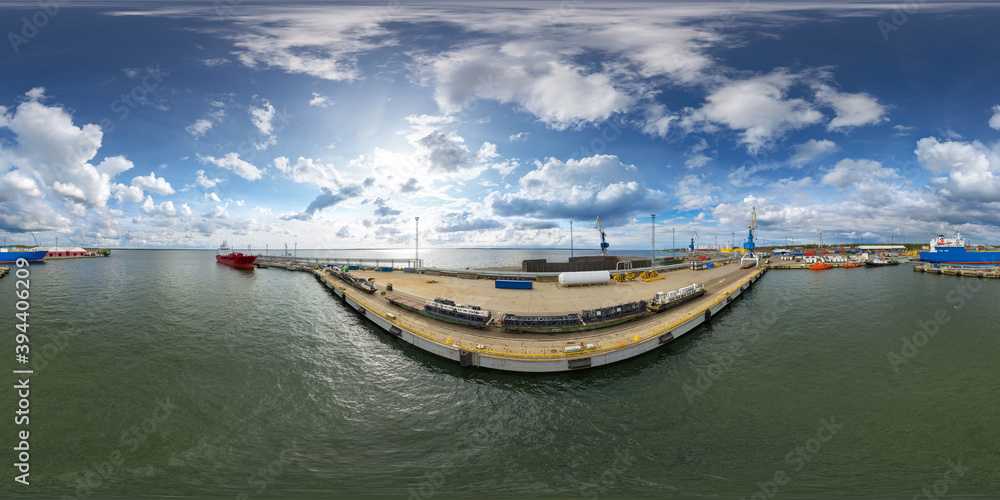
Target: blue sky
[[138, 124]]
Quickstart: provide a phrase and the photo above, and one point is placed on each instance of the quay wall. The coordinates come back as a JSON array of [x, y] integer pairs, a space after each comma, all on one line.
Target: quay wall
[[536, 363]]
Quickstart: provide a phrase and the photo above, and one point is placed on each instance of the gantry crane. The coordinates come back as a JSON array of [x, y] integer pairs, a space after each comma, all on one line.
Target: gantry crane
[[604, 244]]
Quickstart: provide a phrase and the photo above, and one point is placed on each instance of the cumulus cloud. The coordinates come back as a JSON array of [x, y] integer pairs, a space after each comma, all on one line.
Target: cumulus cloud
[[598, 185], [529, 76], [202, 180], [995, 119], [810, 150], [852, 110], [165, 209], [970, 170], [850, 173], [320, 101], [445, 152], [233, 163], [212, 197], [153, 184], [48, 157], [759, 107], [125, 193], [199, 127], [262, 118]]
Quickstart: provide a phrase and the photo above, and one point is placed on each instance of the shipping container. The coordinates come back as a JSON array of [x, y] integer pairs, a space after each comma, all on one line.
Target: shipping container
[[513, 284], [353, 268], [385, 269]]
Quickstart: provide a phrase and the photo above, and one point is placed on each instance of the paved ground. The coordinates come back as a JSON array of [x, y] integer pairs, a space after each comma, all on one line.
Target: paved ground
[[544, 298]]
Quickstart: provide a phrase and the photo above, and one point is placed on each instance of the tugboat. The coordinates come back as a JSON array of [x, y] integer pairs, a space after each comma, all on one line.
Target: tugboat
[[227, 256], [819, 266], [881, 263]]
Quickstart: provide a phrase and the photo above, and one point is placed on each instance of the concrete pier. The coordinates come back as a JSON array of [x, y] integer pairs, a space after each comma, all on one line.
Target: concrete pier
[[975, 272], [538, 352]]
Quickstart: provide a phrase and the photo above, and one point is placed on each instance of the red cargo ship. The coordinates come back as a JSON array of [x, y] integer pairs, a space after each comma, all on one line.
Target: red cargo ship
[[228, 257]]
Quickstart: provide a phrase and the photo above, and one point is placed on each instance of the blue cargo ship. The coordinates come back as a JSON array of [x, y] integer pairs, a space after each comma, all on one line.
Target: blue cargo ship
[[10, 255], [953, 251]]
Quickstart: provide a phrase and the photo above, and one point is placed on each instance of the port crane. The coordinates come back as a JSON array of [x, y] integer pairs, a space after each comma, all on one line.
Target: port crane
[[604, 244], [750, 258], [693, 239]]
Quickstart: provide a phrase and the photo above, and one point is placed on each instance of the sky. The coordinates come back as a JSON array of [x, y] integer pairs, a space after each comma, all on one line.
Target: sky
[[335, 124]]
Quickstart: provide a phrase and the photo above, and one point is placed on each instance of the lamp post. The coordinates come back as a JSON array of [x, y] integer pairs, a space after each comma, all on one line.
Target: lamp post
[[652, 257], [416, 243], [673, 242], [571, 239]]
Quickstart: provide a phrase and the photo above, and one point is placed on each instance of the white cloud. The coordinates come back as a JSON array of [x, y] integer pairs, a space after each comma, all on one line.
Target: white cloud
[[811, 150], [203, 181], [848, 173], [760, 107], [219, 212], [125, 193], [520, 136], [165, 209], [218, 61], [852, 110], [320, 101], [598, 185], [995, 119], [199, 127], [693, 194], [48, 158], [528, 75], [262, 117], [972, 168], [487, 152], [233, 163], [153, 184], [212, 197]]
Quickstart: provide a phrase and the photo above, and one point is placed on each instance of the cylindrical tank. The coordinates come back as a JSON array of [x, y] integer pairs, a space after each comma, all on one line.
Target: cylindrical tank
[[584, 278]]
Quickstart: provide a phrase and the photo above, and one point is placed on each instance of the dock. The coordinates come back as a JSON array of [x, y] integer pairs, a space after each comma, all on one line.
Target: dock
[[496, 348], [971, 271]]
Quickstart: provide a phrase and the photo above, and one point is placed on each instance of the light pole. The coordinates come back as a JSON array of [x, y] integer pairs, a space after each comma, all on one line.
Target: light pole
[[673, 242], [652, 257], [296, 249], [571, 239], [416, 242]]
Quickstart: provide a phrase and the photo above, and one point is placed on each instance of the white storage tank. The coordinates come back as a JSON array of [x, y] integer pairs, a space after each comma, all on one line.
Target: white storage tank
[[585, 278]]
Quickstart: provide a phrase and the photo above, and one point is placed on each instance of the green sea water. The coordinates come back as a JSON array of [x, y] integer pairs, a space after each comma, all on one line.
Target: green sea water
[[162, 374]]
